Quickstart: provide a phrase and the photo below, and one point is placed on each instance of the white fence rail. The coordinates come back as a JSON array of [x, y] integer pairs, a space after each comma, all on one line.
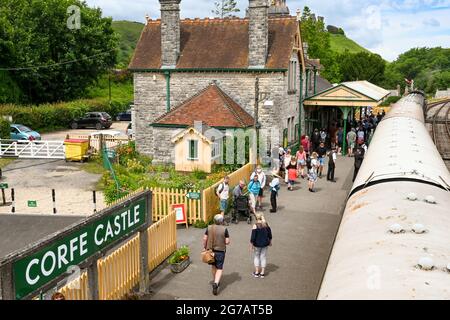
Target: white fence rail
[[109, 142], [32, 149]]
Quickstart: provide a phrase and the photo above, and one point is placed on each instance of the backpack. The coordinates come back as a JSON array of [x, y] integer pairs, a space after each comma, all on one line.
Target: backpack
[[308, 163], [220, 188]]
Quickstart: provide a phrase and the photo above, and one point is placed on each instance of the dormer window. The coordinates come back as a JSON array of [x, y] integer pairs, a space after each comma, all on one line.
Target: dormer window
[[292, 77]]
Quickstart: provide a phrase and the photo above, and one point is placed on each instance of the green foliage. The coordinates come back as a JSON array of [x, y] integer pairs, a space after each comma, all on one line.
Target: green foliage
[[390, 100], [48, 117], [339, 43], [429, 67], [362, 66], [200, 224], [180, 255], [5, 129], [36, 33], [199, 174], [9, 90], [129, 33], [225, 8]]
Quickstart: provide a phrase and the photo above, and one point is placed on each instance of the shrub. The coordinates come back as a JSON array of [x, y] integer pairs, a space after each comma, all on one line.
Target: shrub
[[390, 100], [4, 129], [200, 224]]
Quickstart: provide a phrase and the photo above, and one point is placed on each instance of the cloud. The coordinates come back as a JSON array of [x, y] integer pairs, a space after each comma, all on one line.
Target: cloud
[[387, 27], [431, 23]]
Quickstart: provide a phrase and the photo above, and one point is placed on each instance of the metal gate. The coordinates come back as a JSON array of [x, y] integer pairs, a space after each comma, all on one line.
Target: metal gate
[[32, 149]]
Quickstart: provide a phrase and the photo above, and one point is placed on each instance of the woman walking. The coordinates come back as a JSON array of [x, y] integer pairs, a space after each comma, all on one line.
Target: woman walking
[[301, 161], [260, 241], [312, 173]]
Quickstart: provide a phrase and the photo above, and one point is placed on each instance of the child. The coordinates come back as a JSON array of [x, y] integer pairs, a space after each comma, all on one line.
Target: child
[[292, 173], [274, 188]]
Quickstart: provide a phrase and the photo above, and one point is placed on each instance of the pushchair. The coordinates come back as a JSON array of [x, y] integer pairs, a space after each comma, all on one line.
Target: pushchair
[[241, 209]]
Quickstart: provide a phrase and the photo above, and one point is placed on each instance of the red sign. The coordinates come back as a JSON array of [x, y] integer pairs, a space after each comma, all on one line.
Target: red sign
[[180, 213]]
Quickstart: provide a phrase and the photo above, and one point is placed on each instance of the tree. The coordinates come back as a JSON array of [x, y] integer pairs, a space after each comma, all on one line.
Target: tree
[[225, 8], [362, 66], [52, 61]]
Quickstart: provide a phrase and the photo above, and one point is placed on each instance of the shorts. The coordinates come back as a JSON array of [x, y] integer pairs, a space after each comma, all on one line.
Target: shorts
[[261, 192], [322, 161], [352, 145], [219, 259], [252, 200], [312, 176], [223, 205], [301, 162], [291, 182]]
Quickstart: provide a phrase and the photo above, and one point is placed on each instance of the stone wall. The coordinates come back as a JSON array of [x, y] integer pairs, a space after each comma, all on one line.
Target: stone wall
[[150, 102]]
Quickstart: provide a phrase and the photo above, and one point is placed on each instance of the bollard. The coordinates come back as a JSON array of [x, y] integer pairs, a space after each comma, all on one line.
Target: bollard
[[13, 208], [94, 197], [54, 201]]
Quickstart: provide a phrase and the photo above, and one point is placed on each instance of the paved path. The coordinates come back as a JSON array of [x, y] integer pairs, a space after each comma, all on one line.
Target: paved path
[[303, 231]]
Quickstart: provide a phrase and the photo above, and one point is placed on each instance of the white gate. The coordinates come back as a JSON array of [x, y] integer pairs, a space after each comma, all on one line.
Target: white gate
[[32, 149]]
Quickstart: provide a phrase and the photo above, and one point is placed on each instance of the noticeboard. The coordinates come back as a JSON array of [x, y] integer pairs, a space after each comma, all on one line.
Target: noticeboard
[[180, 213]]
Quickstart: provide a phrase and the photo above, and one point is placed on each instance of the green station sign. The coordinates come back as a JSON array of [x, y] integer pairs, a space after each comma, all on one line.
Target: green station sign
[[193, 195], [4, 186], [34, 271], [32, 203]]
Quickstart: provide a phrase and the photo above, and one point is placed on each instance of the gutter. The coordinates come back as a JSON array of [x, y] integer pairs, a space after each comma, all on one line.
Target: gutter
[[184, 70]]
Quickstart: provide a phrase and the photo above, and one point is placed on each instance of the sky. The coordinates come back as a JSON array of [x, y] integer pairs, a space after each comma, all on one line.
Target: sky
[[388, 28]]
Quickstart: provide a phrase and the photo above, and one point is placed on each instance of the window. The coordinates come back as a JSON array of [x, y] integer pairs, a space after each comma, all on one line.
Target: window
[[193, 149], [292, 77]]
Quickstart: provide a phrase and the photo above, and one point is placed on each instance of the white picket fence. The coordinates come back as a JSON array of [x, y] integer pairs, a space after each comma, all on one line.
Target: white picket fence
[[32, 149]]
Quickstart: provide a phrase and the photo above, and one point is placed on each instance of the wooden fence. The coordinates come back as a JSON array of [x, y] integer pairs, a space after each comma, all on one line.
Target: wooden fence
[[109, 142], [118, 273], [162, 241], [210, 202], [163, 199]]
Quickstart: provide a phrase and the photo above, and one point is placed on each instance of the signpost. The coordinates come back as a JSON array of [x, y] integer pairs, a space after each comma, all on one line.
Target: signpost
[[180, 212], [193, 195], [45, 263], [3, 186]]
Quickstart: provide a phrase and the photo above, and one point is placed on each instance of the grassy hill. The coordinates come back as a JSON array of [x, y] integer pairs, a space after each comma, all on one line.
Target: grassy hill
[[340, 43], [129, 35]]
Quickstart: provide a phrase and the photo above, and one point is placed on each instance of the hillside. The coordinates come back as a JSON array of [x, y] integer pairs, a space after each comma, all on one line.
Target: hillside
[[129, 35], [339, 43]]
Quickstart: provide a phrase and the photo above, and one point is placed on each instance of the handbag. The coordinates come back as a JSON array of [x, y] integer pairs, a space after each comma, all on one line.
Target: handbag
[[207, 255]]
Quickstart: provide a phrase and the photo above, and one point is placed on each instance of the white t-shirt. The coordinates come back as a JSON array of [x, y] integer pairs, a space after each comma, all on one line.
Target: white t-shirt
[[223, 191], [314, 165]]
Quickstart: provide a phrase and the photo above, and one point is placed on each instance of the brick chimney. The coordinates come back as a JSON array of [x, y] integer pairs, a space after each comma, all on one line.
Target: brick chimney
[[170, 33], [258, 14]]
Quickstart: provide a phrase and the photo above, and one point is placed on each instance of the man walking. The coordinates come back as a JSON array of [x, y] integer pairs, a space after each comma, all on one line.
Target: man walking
[[331, 164], [253, 188], [237, 192], [321, 151], [217, 238], [359, 157], [315, 139], [274, 188]]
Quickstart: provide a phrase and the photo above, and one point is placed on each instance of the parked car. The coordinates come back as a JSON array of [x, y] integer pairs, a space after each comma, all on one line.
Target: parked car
[[124, 116], [129, 131], [97, 120], [108, 133], [21, 132]]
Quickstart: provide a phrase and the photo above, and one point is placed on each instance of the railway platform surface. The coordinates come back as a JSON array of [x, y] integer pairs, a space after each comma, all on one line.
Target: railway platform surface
[[303, 229]]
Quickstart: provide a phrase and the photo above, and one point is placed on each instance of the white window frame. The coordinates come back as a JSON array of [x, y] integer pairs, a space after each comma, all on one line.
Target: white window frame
[[189, 150]]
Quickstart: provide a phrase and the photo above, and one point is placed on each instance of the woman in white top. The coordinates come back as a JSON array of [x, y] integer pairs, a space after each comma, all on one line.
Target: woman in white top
[[287, 161]]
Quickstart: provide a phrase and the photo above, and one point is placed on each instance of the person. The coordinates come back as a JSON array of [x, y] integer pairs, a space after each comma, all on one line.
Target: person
[[321, 151], [260, 240], [315, 139], [323, 135], [217, 238], [312, 173], [274, 188], [262, 180], [254, 187], [351, 139], [287, 161], [58, 296], [223, 191], [339, 139], [301, 161], [237, 192], [306, 144], [359, 157], [331, 164], [292, 173], [360, 136]]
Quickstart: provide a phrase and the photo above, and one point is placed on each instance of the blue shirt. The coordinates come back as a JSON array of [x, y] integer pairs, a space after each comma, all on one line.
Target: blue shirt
[[254, 187]]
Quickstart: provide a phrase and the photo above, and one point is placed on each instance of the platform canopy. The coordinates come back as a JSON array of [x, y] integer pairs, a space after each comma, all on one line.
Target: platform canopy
[[349, 94]]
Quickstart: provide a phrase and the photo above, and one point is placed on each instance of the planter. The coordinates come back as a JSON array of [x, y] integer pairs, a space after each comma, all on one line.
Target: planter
[[179, 267]]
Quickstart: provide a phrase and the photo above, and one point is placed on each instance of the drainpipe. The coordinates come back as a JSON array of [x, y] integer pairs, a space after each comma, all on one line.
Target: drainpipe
[[300, 105], [315, 80], [306, 84], [167, 73]]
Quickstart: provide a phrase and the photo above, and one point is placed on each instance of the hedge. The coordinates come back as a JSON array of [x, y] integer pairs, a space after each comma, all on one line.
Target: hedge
[[4, 129], [47, 117]]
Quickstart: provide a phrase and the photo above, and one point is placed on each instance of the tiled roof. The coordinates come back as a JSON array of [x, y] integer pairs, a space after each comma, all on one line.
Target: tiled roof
[[211, 106], [216, 43], [321, 85]]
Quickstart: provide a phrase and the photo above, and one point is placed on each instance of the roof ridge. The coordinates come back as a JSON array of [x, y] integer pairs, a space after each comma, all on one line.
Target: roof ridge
[[227, 97], [182, 104]]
